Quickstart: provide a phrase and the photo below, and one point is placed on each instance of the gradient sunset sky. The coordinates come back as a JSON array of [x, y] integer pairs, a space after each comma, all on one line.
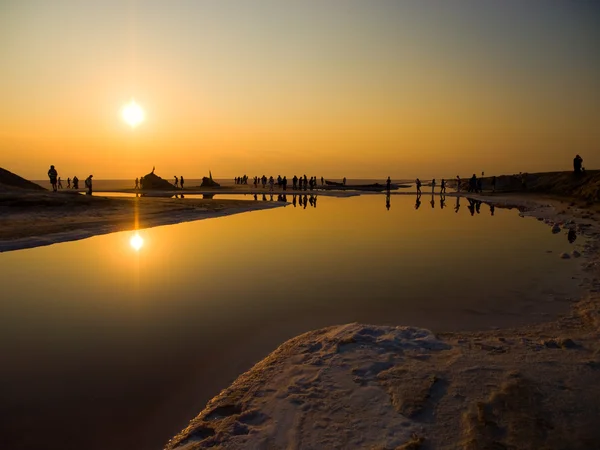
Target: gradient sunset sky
[[334, 88]]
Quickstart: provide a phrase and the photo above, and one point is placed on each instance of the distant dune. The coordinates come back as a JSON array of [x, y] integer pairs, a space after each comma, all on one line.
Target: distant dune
[[10, 181]]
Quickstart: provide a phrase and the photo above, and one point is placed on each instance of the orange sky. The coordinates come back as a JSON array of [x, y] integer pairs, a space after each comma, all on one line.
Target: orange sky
[[340, 88]]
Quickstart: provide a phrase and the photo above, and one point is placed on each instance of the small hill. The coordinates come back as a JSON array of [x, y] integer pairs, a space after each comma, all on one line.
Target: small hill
[[152, 182], [10, 181]]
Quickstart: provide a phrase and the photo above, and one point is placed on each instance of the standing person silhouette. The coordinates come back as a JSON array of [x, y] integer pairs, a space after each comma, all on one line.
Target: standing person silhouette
[[75, 182], [53, 175], [388, 185], [418, 183], [177, 181], [433, 186], [88, 184], [181, 180], [59, 183], [344, 181], [137, 183], [69, 183], [443, 187]]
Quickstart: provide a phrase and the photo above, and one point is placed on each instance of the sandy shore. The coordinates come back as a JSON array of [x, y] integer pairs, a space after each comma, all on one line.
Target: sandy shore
[[363, 386], [31, 219]]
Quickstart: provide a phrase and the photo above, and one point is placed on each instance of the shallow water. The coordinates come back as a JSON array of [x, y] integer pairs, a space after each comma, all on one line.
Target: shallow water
[[105, 347]]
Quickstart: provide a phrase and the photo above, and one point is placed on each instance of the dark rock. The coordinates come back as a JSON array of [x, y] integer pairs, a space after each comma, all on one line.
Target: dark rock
[[152, 182], [209, 182]]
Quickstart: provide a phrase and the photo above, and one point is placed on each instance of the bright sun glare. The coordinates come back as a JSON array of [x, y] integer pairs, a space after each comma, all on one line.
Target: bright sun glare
[[136, 242], [133, 114]]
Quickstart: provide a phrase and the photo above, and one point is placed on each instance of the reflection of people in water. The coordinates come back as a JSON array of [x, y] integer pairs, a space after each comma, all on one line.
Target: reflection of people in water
[[457, 207], [255, 197], [471, 206], [387, 201], [571, 235], [294, 200], [432, 201], [305, 200], [418, 202], [492, 209], [478, 207], [264, 198], [442, 201]]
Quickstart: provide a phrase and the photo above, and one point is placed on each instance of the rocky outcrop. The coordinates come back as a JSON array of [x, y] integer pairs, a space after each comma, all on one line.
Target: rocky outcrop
[[9, 181], [209, 182], [152, 182]]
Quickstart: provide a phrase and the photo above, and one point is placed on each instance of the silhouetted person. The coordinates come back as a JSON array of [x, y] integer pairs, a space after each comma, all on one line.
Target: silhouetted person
[[443, 187], [181, 182], [75, 182], [59, 183], [141, 182], [457, 206], [418, 183], [322, 181], [53, 175], [473, 183], [492, 209], [571, 236], [88, 184], [494, 183], [418, 202], [68, 183], [577, 164], [284, 183], [305, 201], [177, 181], [388, 184], [387, 201], [137, 183], [294, 182], [442, 201], [433, 186], [480, 185], [344, 181]]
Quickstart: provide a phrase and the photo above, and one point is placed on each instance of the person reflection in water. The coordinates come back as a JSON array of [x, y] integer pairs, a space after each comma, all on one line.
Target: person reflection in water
[[471, 206], [432, 201], [305, 200], [418, 202], [255, 197], [457, 206], [571, 236], [442, 201], [294, 200], [478, 207], [387, 201], [264, 198], [492, 209]]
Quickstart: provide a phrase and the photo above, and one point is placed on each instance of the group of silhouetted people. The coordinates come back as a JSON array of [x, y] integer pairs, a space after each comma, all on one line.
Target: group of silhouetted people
[[56, 181]]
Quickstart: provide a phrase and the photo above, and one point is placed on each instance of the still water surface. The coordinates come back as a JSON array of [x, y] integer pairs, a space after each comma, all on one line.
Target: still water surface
[[106, 347]]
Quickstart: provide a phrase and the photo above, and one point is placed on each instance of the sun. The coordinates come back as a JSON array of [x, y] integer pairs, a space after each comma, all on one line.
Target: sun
[[132, 113], [136, 242]]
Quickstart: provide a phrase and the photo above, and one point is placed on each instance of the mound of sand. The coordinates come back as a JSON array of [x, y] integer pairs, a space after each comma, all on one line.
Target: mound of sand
[[10, 181], [153, 182]]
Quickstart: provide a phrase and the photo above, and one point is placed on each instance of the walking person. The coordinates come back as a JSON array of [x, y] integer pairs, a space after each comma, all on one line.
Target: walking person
[[181, 180], [443, 187], [177, 181], [75, 182], [418, 183], [137, 183], [88, 184], [59, 183], [69, 183], [53, 175]]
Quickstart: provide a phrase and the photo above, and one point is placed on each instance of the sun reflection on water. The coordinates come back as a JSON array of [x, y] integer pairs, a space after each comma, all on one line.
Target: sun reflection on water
[[136, 242]]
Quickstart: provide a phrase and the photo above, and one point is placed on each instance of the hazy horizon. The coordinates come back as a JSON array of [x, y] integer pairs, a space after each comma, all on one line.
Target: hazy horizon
[[339, 88]]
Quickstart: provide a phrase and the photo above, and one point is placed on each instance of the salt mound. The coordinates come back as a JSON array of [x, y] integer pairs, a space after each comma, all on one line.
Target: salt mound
[[10, 181]]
